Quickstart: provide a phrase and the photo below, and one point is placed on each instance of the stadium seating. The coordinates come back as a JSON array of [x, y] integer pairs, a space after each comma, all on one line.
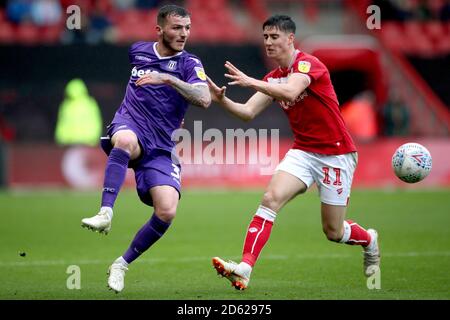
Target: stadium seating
[[133, 25], [413, 37], [27, 34], [257, 10], [213, 22], [7, 33]]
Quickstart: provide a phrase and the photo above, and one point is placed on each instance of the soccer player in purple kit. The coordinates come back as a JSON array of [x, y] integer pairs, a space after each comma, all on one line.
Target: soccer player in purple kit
[[164, 80]]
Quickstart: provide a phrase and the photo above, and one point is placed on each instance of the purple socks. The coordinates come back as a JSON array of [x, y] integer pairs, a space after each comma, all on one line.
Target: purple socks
[[148, 235], [115, 172], [116, 169]]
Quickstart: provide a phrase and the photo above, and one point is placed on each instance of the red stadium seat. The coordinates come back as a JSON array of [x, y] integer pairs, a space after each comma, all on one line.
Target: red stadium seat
[[211, 5], [415, 37], [130, 32], [86, 5], [434, 29], [393, 35], [104, 5], [135, 24], [443, 45], [232, 34], [423, 45], [213, 22], [257, 9], [27, 34], [2, 15], [423, 36], [414, 28], [50, 35], [204, 33], [7, 33]]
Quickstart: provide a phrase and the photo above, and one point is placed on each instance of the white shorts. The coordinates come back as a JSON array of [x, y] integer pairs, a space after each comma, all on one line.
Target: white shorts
[[333, 174]]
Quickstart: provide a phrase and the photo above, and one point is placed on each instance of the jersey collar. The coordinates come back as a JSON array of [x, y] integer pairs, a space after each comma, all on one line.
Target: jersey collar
[[159, 57], [294, 57]]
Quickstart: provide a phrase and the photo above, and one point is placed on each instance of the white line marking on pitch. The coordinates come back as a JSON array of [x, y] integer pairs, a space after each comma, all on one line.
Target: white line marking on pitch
[[192, 259]]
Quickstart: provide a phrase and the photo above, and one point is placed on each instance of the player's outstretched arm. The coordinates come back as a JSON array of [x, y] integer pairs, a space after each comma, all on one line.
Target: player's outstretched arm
[[254, 106], [196, 94], [289, 91]]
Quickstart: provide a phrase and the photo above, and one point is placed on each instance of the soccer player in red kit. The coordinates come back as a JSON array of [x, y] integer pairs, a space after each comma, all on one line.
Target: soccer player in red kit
[[323, 151]]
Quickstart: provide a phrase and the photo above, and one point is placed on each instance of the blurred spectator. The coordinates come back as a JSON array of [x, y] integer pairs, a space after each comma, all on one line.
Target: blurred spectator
[[8, 104], [18, 11], [99, 24], [79, 117], [444, 13], [360, 116], [147, 4], [396, 116], [420, 10], [46, 12], [123, 4], [6, 135], [85, 5], [7, 132]]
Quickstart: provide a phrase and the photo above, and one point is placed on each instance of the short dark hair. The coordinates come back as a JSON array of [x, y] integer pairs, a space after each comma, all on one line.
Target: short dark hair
[[169, 10], [282, 22]]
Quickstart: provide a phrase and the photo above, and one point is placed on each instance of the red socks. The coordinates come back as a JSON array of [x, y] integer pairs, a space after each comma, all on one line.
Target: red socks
[[259, 230], [258, 233], [354, 234]]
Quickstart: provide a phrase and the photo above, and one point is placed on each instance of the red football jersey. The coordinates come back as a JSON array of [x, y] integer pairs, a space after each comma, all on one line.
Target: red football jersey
[[315, 118]]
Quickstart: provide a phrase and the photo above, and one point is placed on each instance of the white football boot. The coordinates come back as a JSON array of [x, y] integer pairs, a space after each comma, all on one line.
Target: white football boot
[[101, 222], [372, 255], [237, 274], [116, 279]]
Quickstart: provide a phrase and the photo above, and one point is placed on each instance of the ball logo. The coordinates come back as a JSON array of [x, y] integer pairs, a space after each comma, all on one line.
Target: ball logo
[[418, 157], [252, 230], [411, 162]]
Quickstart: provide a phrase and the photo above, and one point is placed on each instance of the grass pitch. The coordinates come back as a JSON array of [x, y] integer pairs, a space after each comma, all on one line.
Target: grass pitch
[[40, 237]]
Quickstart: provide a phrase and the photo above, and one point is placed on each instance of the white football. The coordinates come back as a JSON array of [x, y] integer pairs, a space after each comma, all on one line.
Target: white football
[[411, 162]]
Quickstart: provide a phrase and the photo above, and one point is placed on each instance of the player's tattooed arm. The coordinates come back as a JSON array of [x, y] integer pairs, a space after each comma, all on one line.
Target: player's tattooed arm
[[196, 94]]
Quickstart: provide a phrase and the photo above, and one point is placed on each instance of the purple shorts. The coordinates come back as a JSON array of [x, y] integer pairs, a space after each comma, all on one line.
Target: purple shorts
[[153, 168]]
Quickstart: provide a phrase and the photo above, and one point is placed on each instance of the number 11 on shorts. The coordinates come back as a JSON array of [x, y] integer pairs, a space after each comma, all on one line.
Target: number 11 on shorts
[[337, 172]]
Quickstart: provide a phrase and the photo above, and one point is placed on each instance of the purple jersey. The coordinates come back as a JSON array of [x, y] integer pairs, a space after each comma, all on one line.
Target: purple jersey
[[157, 110]]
